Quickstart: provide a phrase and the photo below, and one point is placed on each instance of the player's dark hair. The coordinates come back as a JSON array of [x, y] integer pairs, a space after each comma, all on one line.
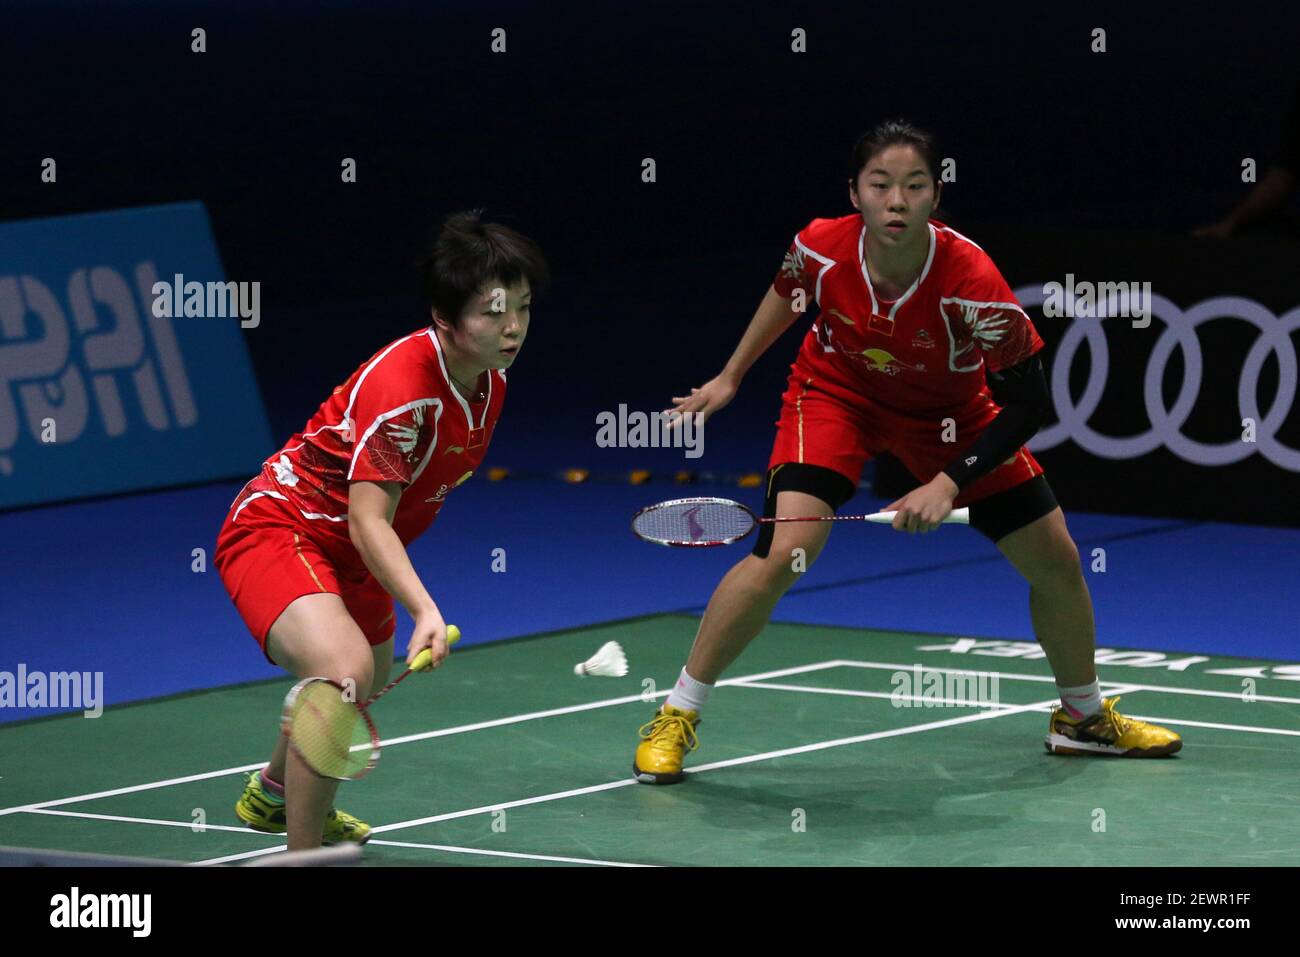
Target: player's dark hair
[[468, 253], [893, 133]]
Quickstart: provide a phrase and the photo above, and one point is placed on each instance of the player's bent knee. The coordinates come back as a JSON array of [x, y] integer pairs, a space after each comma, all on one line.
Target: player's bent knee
[[315, 636], [787, 560], [1057, 564], [774, 575], [353, 671]]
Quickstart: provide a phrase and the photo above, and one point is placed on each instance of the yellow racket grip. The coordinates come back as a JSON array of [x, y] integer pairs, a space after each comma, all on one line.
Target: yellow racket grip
[[424, 660]]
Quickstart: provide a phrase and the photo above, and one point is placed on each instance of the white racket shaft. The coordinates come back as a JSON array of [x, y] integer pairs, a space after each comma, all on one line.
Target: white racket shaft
[[958, 516]]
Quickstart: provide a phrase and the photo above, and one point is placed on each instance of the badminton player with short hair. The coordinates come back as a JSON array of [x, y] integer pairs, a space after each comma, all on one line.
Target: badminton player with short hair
[[313, 549], [919, 349]]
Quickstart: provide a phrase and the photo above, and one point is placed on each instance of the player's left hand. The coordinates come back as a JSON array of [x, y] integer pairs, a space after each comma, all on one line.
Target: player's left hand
[[430, 632], [924, 509]]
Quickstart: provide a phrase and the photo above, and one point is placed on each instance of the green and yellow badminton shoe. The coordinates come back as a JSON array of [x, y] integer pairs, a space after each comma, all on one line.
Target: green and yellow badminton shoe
[[1109, 733], [264, 812], [665, 741]]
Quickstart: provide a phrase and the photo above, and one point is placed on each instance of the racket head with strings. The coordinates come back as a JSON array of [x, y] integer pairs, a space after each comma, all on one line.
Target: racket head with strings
[[694, 522], [331, 734]]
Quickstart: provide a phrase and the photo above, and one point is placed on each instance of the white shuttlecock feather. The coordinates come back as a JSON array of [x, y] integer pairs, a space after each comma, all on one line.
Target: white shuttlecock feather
[[608, 662]]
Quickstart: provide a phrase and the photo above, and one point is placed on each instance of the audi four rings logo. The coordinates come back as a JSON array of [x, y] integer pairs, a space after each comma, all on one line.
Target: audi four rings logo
[[1166, 424]]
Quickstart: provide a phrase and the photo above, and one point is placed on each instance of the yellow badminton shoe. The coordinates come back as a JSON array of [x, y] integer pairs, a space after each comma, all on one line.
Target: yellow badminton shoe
[[263, 812], [342, 828], [665, 741], [1109, 733]]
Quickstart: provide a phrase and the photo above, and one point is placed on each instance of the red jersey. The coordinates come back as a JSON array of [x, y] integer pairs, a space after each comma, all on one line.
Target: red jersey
[[923, 353], [396, 419]]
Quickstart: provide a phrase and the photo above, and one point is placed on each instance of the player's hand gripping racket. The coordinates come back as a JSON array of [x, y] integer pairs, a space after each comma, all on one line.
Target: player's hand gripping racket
[[704, 522], [334, 735]]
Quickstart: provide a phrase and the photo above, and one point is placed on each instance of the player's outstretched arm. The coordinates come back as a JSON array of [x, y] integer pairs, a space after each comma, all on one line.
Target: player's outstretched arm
[[1267, 197], [773, 317], [371, 506]]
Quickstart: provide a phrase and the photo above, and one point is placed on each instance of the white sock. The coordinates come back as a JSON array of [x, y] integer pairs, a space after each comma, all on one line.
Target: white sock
[[689, 694], [1081, 702]]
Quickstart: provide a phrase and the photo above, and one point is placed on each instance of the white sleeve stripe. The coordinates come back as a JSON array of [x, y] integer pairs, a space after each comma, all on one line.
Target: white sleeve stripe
[[352, 398], [433, 443], [342, 426], [983, 305], [235, 517], [315, 515], [328, 518], [949, 229], [380, 420], [827, 264], [824, 260]]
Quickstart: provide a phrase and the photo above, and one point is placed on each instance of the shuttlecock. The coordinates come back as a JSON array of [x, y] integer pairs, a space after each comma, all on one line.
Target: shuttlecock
[[609, 662]]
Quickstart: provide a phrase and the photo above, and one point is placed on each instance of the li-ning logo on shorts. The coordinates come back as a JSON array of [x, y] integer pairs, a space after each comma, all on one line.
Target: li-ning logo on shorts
[[60, 370], [1166, 423]]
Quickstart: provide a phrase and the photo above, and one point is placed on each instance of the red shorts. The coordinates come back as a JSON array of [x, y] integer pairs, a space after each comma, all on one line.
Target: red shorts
[[819, 428], [267, 560]]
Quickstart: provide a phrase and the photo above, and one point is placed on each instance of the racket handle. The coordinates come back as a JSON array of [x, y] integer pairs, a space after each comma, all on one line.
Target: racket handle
[[425, 658], [958, 516]]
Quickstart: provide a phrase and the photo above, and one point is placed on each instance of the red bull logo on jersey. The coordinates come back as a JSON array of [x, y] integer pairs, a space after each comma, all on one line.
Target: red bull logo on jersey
[[878, 360]]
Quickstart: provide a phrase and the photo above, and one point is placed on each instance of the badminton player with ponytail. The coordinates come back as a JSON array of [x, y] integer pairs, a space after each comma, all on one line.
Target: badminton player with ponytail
[[919, 349], [313, 550]]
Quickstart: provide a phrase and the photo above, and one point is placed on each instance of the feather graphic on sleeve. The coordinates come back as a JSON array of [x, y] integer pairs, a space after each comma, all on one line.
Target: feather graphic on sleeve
[[986, 329], [405, 437], [793, 264]]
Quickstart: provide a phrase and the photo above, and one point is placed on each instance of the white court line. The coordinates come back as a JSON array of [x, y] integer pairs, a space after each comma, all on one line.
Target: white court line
[[1276, 699], [451, 849], [882, 666], [592, 706], [625, 782], [613, 702], [146, 820], [888, 695], [1212, 724], [988, 704], [512, 854], [739, 681], [1133, 686], [242, 857], [504, 805], [733, 762], [406, 739], [878, 735], [22, 808]]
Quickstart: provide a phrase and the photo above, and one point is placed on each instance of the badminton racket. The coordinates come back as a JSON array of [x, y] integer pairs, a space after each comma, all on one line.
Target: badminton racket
[[705, 522], [334, 734]]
